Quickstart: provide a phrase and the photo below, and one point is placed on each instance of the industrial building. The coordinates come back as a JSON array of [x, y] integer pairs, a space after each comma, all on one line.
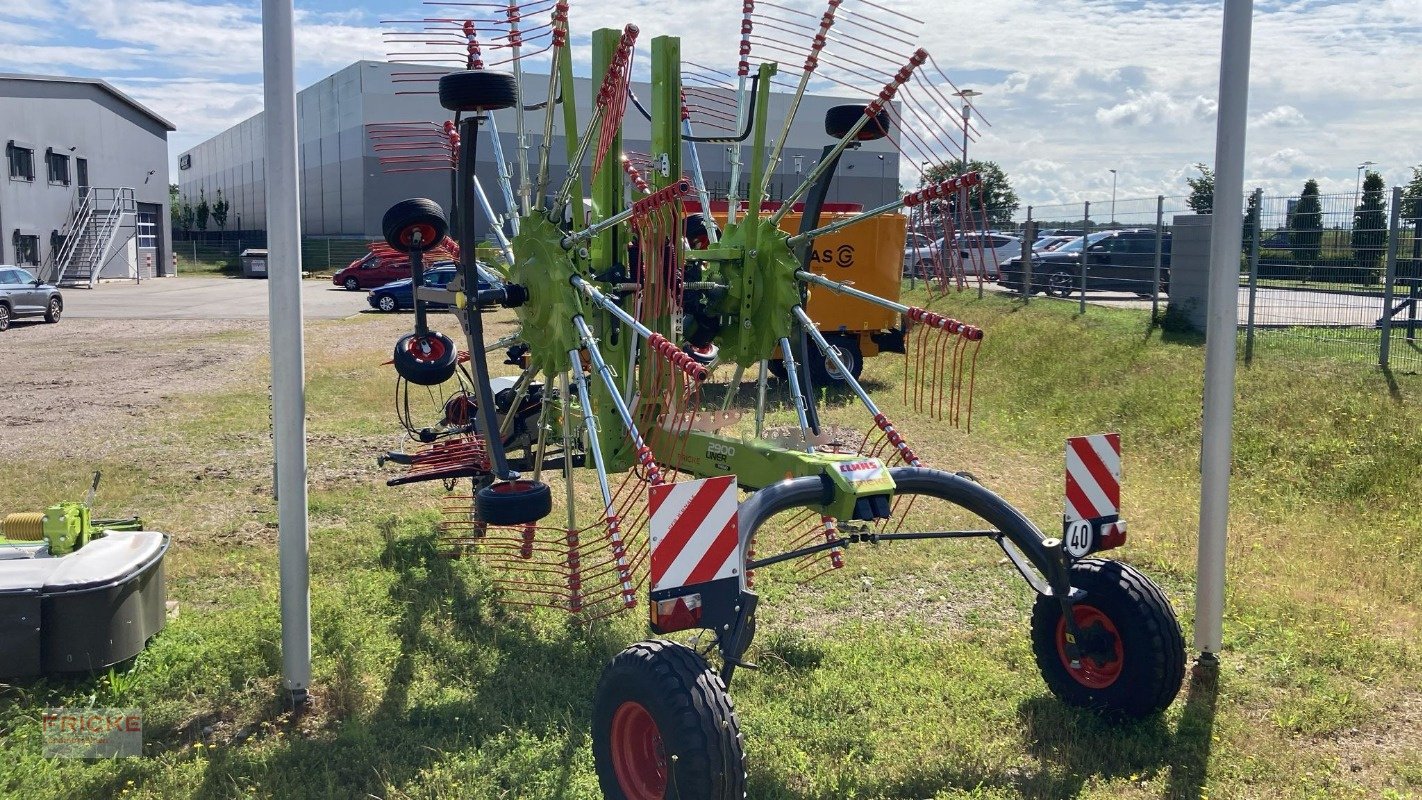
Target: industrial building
[[345, 190], [86, 192]]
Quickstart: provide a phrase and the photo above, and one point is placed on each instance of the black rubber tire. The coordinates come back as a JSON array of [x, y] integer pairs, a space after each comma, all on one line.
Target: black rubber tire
[[849, 352], [777, 368], [1152, 651], [53, 310], [387, 303], [513, 502], [478, 90], [418, 214], [840, 119], [425, 363], [693, 718], [351, 284], [1060, 284], [4, 318]]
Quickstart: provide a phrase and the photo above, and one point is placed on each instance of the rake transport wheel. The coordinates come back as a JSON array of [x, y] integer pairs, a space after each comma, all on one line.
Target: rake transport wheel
[[478, 90], [664, 727], [425, 360], [514, 502], [839, 119], [1133, 656], [414, 225]]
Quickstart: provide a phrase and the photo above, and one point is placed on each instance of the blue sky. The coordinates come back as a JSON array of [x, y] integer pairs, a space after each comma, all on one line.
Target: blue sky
[[1073, 88]]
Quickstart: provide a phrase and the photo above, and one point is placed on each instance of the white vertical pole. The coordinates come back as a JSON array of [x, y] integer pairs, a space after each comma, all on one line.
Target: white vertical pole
[[288, 367], [1221, 325]]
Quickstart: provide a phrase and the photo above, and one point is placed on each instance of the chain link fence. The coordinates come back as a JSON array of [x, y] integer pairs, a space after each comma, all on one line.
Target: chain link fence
[[221, 255], [1338, 274], [1126, 255]]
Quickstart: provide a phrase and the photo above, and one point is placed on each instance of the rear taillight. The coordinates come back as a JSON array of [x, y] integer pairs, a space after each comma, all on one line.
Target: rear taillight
[[677, 614]]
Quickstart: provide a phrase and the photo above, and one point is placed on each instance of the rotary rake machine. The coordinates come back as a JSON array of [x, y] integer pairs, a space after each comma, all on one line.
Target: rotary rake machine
[[630, 311]]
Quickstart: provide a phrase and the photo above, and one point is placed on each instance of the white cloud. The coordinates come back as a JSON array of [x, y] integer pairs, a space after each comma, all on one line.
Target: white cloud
[[1070, 98], [1280, 117], [1157, 108], [1289, 162]]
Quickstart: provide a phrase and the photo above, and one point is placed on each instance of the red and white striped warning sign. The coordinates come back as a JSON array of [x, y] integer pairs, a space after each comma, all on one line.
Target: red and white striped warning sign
[[695, 537], [1093, 476]]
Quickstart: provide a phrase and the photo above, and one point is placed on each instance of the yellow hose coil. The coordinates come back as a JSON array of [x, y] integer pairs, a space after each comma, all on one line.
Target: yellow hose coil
[[27, 526]]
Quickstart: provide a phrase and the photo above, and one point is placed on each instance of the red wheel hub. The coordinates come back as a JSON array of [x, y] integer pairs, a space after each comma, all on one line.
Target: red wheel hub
[[427, 349], [513, 487], [426, 235], [638, 756], [1102, 656]]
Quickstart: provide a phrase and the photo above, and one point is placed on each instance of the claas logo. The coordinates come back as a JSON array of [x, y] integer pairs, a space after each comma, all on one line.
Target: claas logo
[[842, 256]]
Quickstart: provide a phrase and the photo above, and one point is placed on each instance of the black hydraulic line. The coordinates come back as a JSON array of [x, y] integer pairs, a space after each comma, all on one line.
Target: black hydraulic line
[[740, 137], [468, 268]]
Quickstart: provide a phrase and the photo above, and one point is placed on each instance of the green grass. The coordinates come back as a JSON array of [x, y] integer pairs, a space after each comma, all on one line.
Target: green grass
[[910, 676]]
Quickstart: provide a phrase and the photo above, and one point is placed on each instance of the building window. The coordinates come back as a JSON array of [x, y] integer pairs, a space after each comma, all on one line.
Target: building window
[[22, 162], [26, 249], [58, 165], [147, 230]]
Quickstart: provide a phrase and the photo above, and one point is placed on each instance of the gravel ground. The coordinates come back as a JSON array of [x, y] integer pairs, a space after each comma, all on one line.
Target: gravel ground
[[68, 386], [83, 386]]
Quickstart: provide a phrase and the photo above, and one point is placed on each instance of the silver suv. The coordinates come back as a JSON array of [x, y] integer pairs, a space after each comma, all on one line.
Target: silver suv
[[24, 295]]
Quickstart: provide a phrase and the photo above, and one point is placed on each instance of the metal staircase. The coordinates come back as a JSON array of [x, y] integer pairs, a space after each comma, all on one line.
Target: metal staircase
[[95, 218]]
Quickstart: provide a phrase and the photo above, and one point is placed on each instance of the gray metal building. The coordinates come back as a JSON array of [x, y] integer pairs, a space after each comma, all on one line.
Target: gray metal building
[[345, 190], [86, 192]]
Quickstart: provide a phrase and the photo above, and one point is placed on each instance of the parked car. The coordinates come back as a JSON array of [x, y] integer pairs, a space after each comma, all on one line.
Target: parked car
[[917, 248], [1121, 260], [1277, 239], [398, 295], [982, 254], [23, 295], [1048, 243], [369, 271]]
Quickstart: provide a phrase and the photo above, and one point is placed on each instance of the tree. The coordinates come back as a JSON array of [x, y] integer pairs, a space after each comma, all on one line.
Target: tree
[[175, 207], [219, 211], [1370, 228], [1251, 220], [994, 194], [1412, 210], [1412, 197], [1306, 225], [203, 210], [1202, 190]]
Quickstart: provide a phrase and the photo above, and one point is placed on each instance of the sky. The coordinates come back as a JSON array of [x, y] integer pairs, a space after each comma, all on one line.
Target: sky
[[1072, 88]]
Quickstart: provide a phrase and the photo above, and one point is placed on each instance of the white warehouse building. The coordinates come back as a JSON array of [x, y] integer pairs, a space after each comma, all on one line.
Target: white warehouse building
[[345, 190]]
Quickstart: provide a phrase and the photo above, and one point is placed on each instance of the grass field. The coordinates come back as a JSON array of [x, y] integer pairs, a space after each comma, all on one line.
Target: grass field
[[907, 675]]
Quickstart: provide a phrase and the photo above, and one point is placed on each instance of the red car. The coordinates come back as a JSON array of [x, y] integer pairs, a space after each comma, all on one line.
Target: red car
[[383, 265]]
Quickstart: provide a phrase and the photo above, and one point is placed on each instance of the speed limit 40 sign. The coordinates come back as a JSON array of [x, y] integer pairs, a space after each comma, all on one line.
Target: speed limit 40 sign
[[1091, 516]]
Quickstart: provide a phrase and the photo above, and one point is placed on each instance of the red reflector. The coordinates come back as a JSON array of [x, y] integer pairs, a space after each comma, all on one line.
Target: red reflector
[[1113, 534], [677, 614]]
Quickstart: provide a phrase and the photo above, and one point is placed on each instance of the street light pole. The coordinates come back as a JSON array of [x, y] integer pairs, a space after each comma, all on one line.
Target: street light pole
[[881, 179], [965, 95], [1113, 197], [1358, 185]]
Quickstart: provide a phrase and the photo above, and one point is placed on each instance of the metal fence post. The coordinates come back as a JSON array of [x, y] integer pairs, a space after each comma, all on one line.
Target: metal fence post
[[1031, 233], [1159, 249], [1390, 277], [1085, 242], [1253, 274]]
